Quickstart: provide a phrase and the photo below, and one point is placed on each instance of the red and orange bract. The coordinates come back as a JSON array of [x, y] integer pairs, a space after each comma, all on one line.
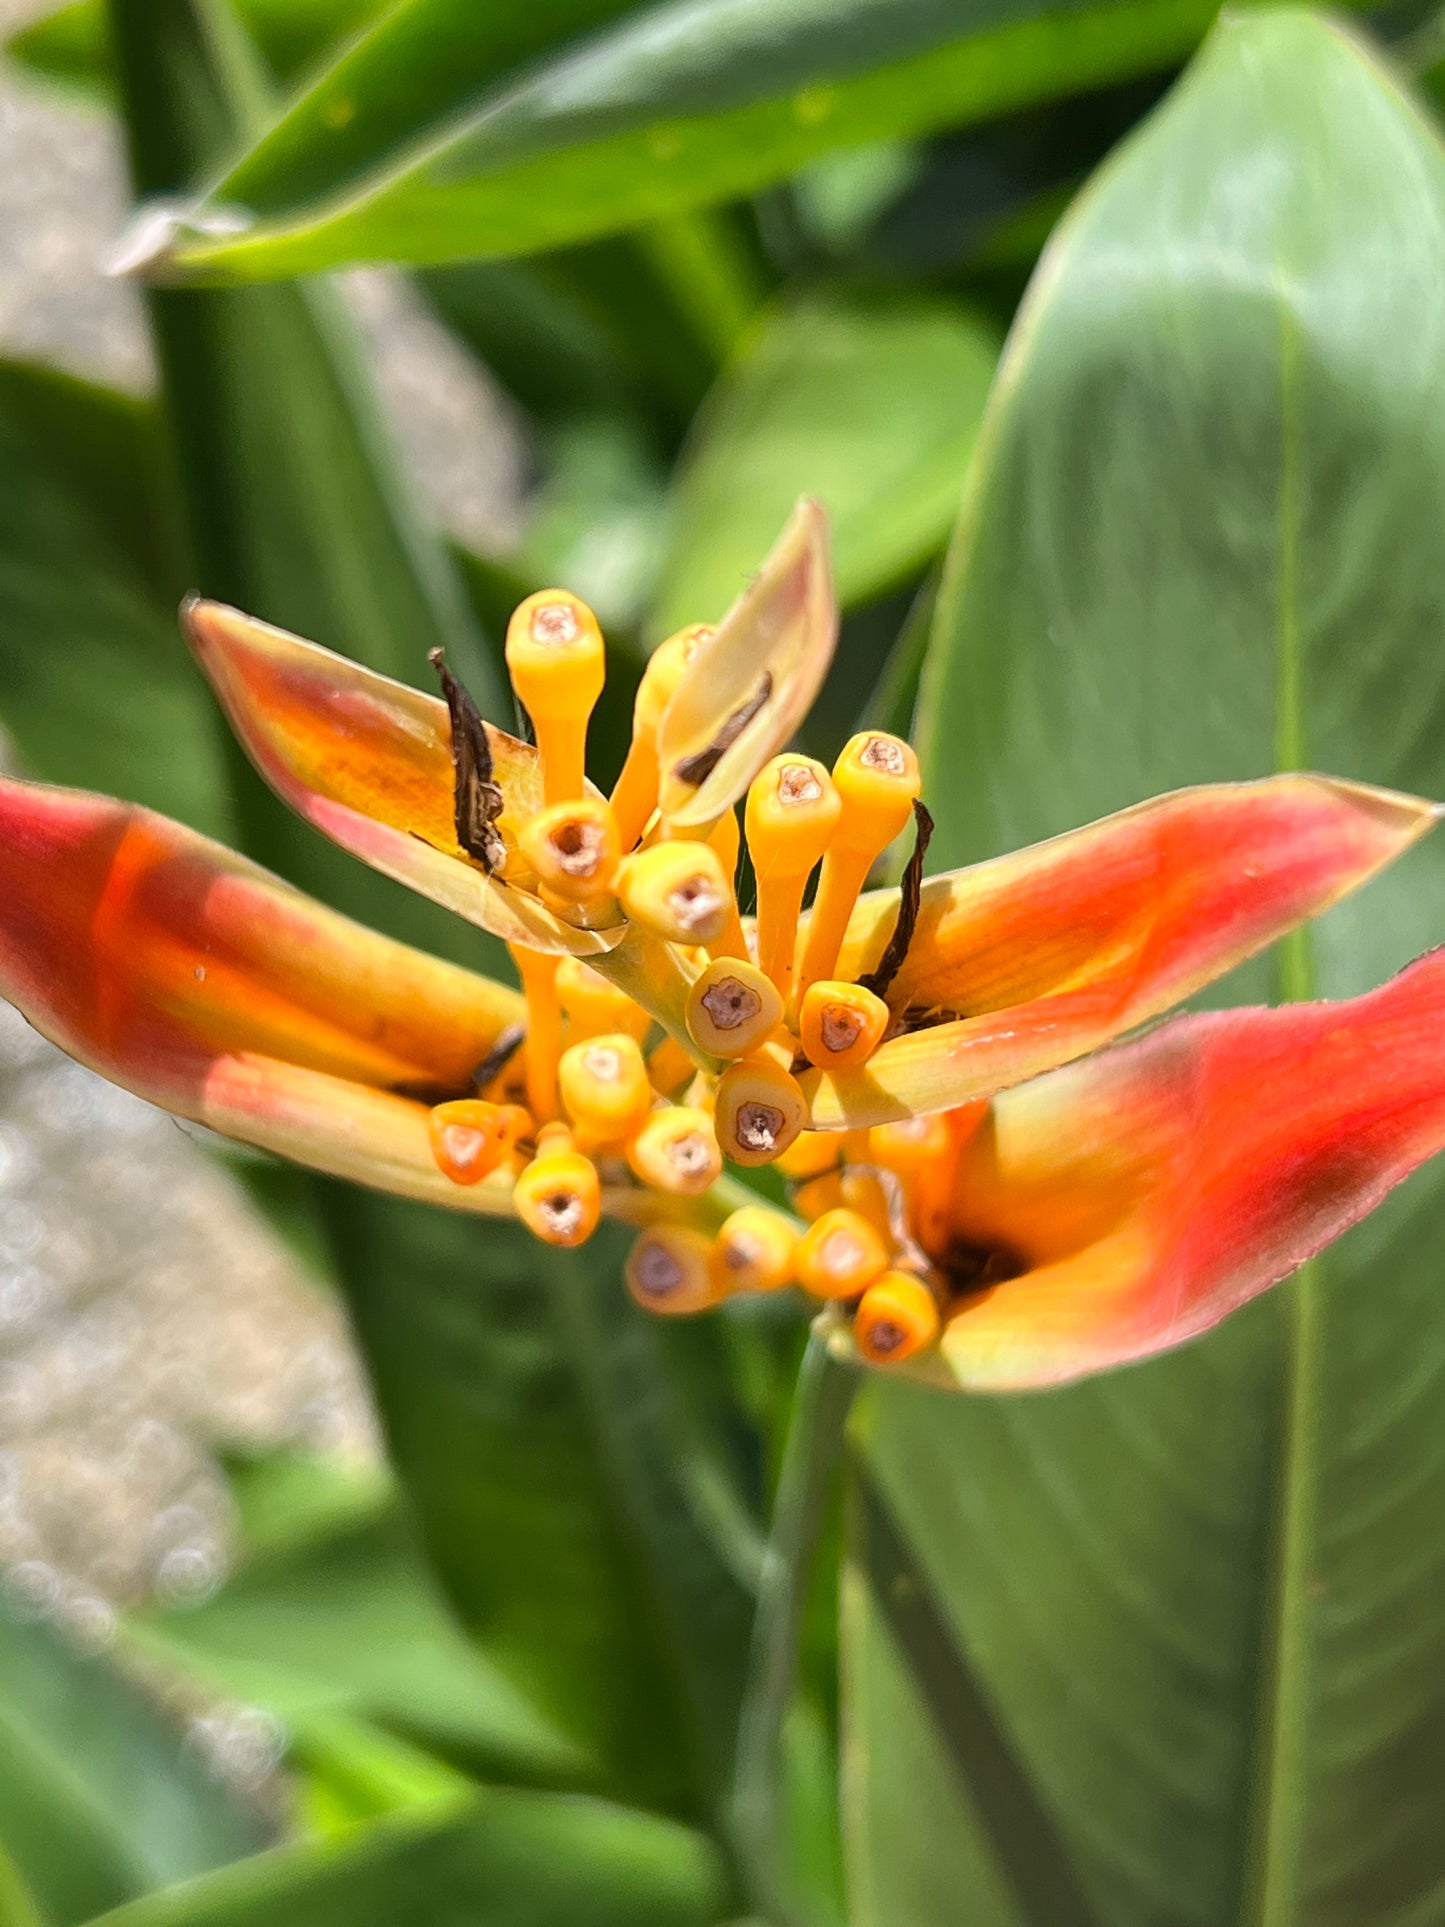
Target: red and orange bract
[[1143, 1194]]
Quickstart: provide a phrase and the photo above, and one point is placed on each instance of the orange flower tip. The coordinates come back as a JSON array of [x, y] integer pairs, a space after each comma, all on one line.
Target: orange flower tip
[[471, 1137], [839, 1255], [677, 891], [668, 1270], [573, 848], [877, 778], [753, 1250], [792, 811], [558, 1196], [594, 1005], [909, 1144], [840, 1025], [604, 1085], [760, 1111], [676, 1151], [896, 1317], [732, 1008], [810, 1155]]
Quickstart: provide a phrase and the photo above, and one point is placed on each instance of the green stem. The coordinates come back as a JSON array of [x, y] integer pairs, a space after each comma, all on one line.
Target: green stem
[[819, 1417]]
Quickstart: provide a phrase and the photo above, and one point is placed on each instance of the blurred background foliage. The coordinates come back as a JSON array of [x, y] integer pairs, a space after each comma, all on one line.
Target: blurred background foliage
[[1165, 1650]]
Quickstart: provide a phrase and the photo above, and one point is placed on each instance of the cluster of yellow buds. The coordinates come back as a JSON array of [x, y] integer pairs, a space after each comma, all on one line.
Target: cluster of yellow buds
[[595, 1097]]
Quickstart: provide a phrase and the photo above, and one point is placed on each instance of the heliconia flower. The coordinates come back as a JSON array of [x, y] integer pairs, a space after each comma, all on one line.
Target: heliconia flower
[[983, 1214]]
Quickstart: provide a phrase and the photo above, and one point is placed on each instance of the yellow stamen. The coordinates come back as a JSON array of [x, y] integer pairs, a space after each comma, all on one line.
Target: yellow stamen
[[678, 891], [573, 848], [753, 1250], [877, 778], [593, 1005], [635, 796], [667, 1270], [732, 1008], [605, 1087], [896, 1317], [839, 1255], [760, 1109], [538, 972], [840, 1025], [557, 663], [676, 1150], [471, 1137], [558, 1196], [793, 810]]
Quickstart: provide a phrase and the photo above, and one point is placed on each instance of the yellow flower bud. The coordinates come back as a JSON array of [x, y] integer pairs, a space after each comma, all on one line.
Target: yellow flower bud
[[753, 1251], [896, 1317], [840, 1025], [558, 1196], [557, 663], [792, 814], [573, 848], [604, 1086], [760, 1109], [678, 891], [839, 1255], [470, 1137], [676, 1150], [812, 1154], [667, 1270], [732, 1008], [877, 779], [635, 796]]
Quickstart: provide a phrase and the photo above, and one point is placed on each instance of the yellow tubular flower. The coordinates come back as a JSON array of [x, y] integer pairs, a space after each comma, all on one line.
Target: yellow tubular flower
[[760, 1109], [605, 1087], [573, 848], [470, 1137], [538, 971], [593, 1005], [877, 779], [635, 796], [811, 1155], [839, 1255], [732, 1008], [677, 891], [840, 1025], [668, 1271], [669, 1066], [793, 810], [726, 841], [557, 663], [558, 1196], [676, 1150], [753, 1250], [896, 1317]]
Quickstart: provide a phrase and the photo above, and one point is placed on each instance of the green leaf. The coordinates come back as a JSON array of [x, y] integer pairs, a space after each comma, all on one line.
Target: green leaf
[[440, 156], [550, 1446], [73, 44], [291, 499], [872, 408], [98, 1802], [88, 590], [1196, 1600], [509, 1858]]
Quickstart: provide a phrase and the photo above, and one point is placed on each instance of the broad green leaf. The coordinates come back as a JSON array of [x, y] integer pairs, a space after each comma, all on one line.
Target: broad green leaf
[[438, 157], [508, 1858], [350, 1623], [88, 591], [73, 44], [540, 1425], [98, 1800], [872, 408], [1194, 1605]]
